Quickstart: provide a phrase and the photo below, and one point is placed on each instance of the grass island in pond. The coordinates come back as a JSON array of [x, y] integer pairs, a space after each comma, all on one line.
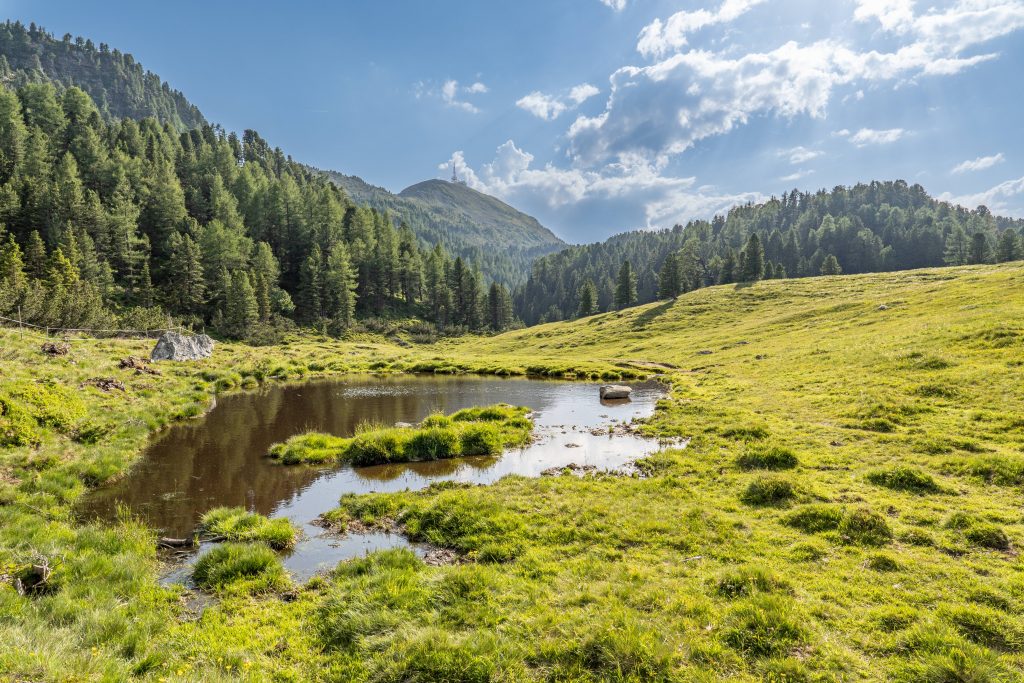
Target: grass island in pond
[[471, 431]]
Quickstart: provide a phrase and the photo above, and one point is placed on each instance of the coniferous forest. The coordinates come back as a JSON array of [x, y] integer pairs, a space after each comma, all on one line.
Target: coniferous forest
[[120, 224], [872, 227]]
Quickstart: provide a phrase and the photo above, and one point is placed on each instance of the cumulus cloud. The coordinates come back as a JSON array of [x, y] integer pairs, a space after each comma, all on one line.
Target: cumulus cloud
[[1006, 198], [550, 107], [979, 164], [617, 5], [871, 136], [665, 200], [452, 94], [662, 109], [659, 38]]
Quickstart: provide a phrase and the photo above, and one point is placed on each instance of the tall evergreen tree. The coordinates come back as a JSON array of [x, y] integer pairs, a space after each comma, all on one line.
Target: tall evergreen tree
[[979, 248], [308, 303], [753, 259], [588, 304], [340, 289], [186, 291], [625, 287], [1009, 246], [670, 283], [830, 266], [242, 310], [499, 307]]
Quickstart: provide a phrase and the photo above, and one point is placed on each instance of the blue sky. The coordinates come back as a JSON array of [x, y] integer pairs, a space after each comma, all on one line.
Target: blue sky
[[599, 116]]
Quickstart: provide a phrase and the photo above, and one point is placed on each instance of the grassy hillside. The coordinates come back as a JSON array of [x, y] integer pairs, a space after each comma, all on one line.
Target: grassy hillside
[[501, 239], [848, 507]]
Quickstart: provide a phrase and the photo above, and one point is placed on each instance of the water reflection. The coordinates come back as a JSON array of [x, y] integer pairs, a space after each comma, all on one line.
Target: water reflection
[[220, 460]]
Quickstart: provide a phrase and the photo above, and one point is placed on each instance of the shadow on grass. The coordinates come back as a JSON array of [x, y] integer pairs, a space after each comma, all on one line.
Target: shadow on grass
[[647, 317]]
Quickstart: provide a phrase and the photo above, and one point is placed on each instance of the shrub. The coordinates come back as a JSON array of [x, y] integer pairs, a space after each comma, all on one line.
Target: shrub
[[812, 519], [236, 524], [903, 478], [864, 527], [17, 428], [767, 458], [749, 580], [481, 439], [765, 626], [226, 564], [989, 536], [768, 491]]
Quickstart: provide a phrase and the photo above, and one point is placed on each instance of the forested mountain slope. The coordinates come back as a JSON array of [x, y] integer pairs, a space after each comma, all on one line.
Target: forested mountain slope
[[481, 228], [124, 222], [870, 227], [118, 84]]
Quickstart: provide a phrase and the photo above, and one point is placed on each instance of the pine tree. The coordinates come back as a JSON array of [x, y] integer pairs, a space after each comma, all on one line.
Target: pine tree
[[143, 286], [587, 299], [830, 266], [242, 312], [780, 271], [625, 287], [753, 260], [670, 283], [1009, 246]]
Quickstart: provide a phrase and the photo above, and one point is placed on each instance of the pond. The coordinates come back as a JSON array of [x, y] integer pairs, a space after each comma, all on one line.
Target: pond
[[221, 460]]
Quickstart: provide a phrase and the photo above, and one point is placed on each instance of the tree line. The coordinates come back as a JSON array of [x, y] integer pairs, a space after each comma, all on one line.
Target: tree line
[[126, 222], [870, 227]]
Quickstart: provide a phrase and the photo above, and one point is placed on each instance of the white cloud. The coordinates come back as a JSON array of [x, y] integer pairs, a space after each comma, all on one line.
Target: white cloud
[[893, 15], [870, 136], [662, 109], [979, 164], [800, 155], [451, 93], [796, 176], [550, 107], [997, 198], [665, 200], [659, 38], [617, 5]]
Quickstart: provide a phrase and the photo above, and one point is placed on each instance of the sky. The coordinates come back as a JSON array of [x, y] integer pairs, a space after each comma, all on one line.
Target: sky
[[599, 116]]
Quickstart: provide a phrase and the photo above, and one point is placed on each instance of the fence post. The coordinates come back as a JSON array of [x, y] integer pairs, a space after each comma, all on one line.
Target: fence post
[[21, 329]]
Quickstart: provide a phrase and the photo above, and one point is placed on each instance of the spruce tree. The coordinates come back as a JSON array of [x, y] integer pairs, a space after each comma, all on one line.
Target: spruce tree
[[339, 289], [241, 312], [625, 287], [186, 285], [308, 303], [587, 299], [670, 283], [753, 260], [1009, 246], [830, 266], [499, 307], [979, 248], [727, 275]]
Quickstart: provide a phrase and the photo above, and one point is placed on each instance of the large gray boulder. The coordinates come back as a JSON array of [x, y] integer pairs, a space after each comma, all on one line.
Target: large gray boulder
[[177, 346], [610, 392]]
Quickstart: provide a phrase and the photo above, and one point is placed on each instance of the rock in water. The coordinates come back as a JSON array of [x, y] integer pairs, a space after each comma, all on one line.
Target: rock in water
[[614, 391], [176, 346]]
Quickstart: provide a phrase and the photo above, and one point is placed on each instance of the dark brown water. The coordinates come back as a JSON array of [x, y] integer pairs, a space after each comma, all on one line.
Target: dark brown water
[[221, 459]]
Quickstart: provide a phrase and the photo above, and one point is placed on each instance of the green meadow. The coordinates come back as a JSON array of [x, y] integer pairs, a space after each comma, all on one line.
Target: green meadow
[[848, 507]]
